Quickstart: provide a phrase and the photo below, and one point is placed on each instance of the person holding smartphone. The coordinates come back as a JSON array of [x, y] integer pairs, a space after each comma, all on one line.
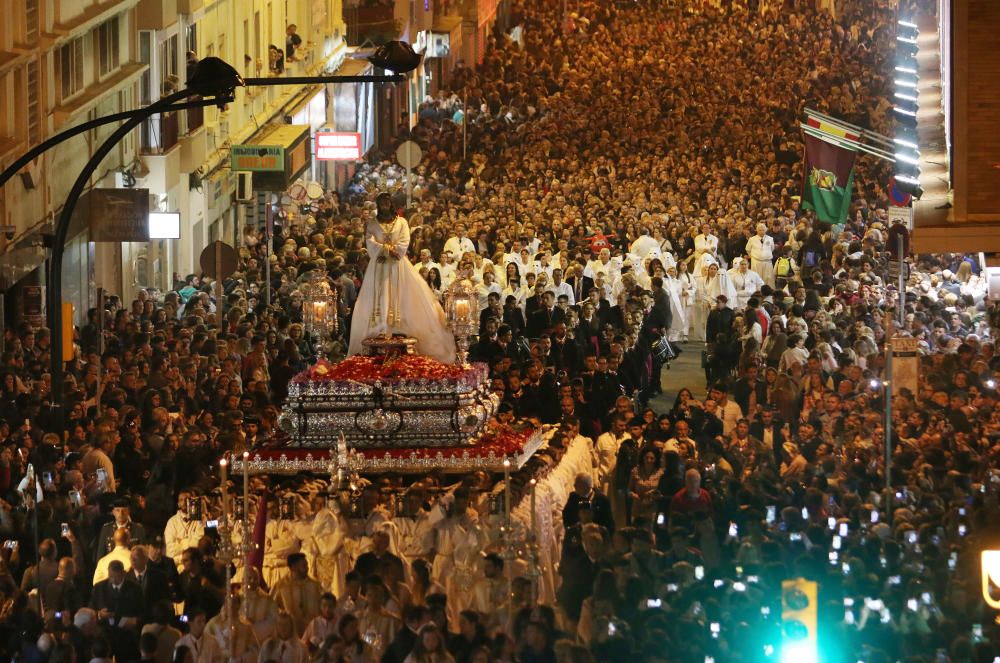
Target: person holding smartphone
[[99, 458], [118, 602]]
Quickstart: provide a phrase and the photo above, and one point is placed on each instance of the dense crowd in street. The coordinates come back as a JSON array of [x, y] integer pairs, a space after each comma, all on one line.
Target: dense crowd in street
[[621, 184]]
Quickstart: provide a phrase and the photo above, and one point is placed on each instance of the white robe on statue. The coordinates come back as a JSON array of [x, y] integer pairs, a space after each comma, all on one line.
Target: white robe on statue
[[394, 299]]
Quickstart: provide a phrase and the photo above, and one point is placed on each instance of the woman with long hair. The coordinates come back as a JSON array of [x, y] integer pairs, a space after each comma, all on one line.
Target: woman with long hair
[[775, 344], [644, 483], [429, 647], [511, 274], [602, 602], [356, 650], [434, 281], [421, 584]]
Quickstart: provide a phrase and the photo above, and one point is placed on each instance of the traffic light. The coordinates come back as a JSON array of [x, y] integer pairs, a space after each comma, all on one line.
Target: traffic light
[[799, 641]]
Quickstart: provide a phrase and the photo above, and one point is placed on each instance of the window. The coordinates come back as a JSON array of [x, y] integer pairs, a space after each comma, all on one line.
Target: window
[[168, 56], [70, 57], [191, 40], [8, 127], [34, 126], [146, 57], [31, 21], [107, 46]]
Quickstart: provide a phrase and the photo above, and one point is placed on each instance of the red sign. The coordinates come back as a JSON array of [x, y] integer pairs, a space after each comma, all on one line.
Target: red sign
[[338, 146]]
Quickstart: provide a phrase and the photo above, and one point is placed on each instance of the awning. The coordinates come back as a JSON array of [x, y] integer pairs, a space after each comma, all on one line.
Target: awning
[[353, 67]]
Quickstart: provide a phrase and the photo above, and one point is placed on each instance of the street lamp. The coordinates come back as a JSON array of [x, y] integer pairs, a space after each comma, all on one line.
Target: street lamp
[[886, 387], [216, 81]]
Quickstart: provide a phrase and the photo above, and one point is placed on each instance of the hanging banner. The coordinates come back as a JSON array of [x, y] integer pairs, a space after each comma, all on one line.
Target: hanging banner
[[828, 180]]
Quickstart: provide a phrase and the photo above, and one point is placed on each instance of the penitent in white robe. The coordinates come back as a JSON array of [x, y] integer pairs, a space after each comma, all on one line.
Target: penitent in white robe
[[679, 312], [395, 300]]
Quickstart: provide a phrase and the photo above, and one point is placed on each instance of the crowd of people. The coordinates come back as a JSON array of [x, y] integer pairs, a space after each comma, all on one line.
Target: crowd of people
[[620, 185]]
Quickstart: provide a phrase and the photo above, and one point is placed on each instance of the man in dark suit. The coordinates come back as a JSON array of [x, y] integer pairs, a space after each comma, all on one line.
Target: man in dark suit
[[148, 644], [545, 317], [533, 303], [198, 585], [151, 581], [63, 594], [513, 317], [768, 429], [588, 328], [580, 284], [368, 563], [579, 563], [602, 307], [165, 565], [486, 348], [565, 353], [749, 390], [118, 602], [414, 617], [493, 310], [586, 497]]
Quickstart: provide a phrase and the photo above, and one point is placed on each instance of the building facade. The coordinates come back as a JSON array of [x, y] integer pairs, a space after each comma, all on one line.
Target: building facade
[[63, 62]]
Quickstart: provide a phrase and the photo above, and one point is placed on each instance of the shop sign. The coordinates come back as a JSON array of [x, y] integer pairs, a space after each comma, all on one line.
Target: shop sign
[[119, 215], [258, 158], [338, 146]]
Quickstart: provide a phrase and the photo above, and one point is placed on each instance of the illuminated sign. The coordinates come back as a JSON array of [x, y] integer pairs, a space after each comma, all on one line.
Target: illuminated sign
[[164, 225], [338, 146], [258, 158]]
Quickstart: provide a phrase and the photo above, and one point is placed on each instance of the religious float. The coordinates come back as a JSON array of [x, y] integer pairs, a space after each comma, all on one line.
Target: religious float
[[392, 410]]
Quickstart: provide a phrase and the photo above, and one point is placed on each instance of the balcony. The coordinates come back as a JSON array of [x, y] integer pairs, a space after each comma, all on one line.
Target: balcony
[[371, 21], [189, 6], [160, 133], [195, 117], [156, 14], [160, 138]]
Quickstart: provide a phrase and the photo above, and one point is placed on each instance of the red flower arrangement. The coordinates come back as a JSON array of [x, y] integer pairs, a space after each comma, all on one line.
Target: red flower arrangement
[[501, 440], [369, 369]]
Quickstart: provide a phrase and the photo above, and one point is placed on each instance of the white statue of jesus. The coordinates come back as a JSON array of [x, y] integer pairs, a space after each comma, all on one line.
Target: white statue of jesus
[[393, 298]]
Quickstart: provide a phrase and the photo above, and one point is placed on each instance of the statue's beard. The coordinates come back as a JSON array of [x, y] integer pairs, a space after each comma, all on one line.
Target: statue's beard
[[384, 215]]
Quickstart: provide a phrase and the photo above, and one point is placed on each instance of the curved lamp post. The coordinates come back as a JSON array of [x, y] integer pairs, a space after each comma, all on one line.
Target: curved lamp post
[[215, 81]]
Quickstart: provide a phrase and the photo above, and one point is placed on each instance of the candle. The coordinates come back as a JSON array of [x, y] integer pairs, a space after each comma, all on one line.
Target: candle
[[223, 465], [462, 310], [534, 513], [506, 492], [246, 491]]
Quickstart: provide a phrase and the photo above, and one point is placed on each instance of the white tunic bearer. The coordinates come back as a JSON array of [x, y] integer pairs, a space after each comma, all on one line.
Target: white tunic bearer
[[280, 541], [760, 248], [745, 281]]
